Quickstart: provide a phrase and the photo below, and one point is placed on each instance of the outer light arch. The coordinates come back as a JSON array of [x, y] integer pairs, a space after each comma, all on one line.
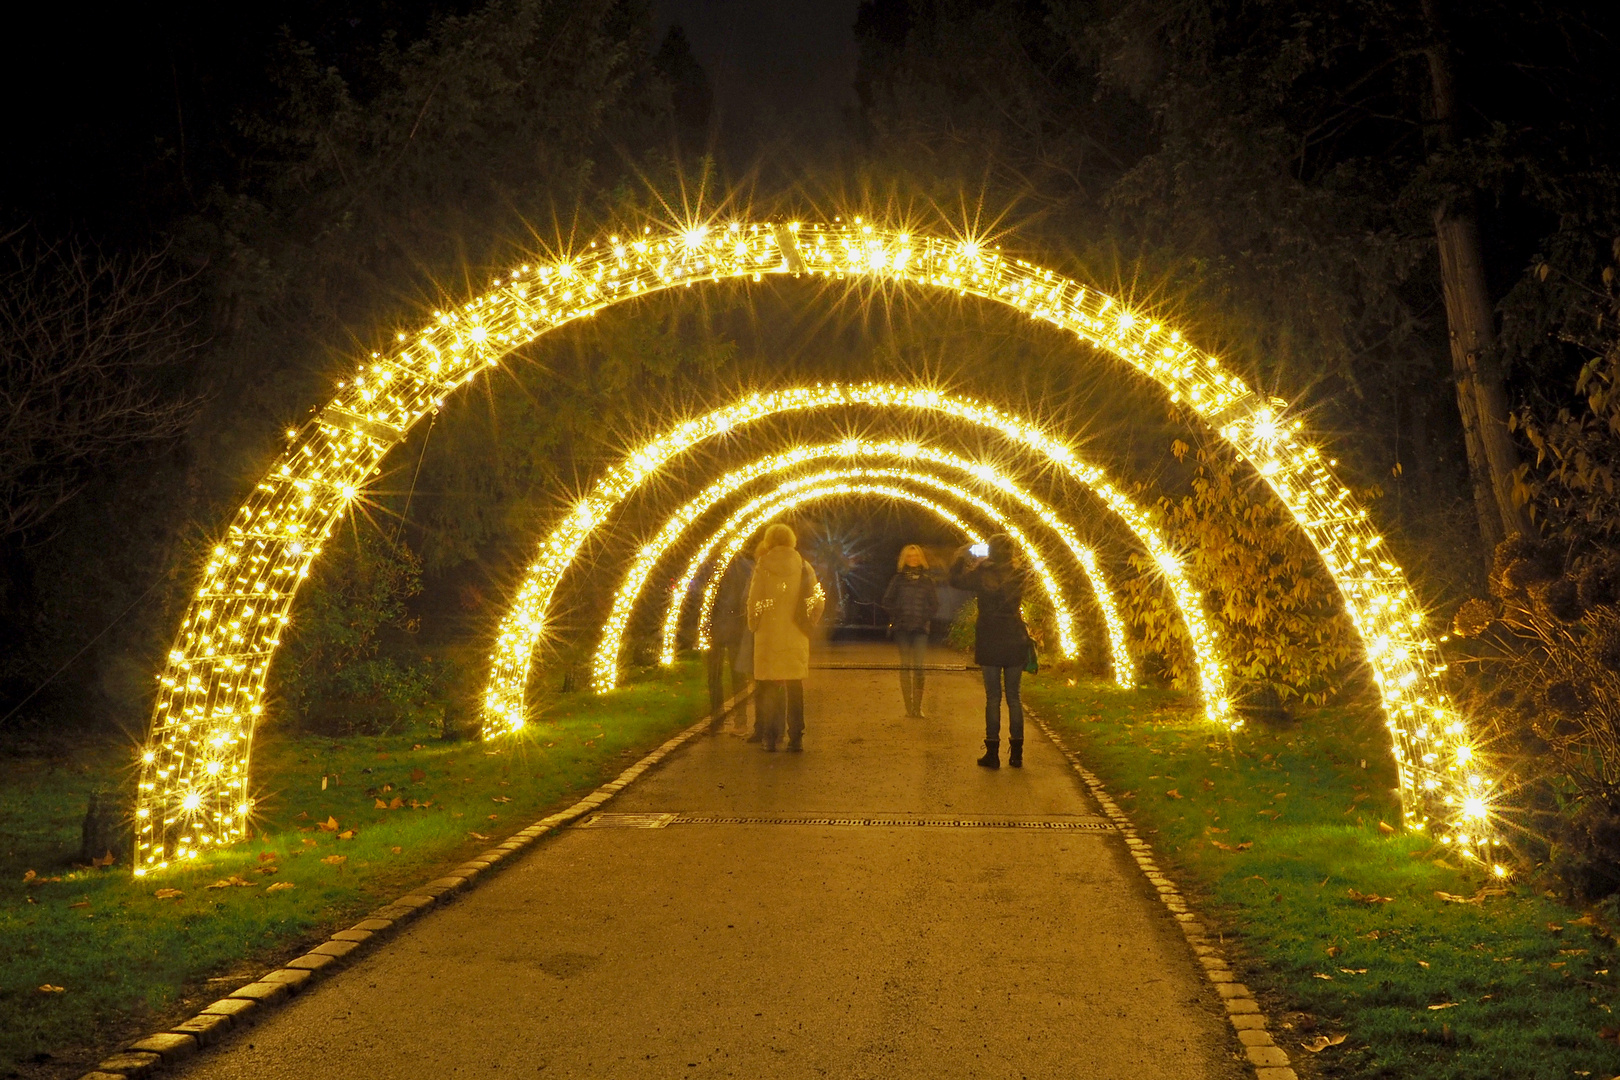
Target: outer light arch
[[192, 790]]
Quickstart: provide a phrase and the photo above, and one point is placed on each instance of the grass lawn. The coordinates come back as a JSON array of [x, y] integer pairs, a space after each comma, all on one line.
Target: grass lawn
[[403, 808], [1275, 834]]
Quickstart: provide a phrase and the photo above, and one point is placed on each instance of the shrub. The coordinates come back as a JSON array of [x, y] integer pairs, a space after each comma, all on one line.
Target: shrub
[[1277, 610]]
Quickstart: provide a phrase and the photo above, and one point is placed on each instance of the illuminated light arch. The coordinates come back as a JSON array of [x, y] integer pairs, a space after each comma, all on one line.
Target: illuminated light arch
[[736, 530], [606, 669], [675, 527], [192, 791], [521, 628]]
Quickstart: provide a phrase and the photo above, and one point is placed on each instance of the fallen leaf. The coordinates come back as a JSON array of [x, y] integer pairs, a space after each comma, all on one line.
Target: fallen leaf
[[500, 798], [1609, 1034], [1245, 846], [1584, 920], [335, 860], [396, 850], [1322, 1042], [307, 841], [396, 803], [1444, 1005], [268, 870], [1554, 928], [388, 787], [1173, 793], [106, 860], [1386, 828], [1333, 950], [168, 894], [1571, 952], [329, 825], [417, 776], [380, 805], [494, 817], [232, 882], [477, 835], [81, 903], [47, 988], [1354, 971], [1319, 975], [280, 885], [1369, 898], [1423, 963], [28, 877], [267, 856], [346, 834]]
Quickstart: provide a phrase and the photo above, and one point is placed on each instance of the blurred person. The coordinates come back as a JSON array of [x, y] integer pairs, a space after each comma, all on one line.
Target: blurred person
[[1001, 640], [784, 602], [912, 600], [728, 627]]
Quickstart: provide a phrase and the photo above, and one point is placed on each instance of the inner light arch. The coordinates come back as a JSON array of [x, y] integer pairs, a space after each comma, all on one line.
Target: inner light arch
[[193, 783], [630, 590], [606, 668]]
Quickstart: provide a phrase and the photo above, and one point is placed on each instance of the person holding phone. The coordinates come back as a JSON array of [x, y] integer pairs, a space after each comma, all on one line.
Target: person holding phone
[[911, 600], [1001, 640]]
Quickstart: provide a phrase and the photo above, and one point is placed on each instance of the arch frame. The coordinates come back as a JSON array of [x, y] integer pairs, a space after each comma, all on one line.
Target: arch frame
[[192, 790]]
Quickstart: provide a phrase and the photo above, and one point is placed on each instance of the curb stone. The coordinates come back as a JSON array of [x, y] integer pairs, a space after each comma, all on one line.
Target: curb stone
[[244, 1006], [1243, 1012]]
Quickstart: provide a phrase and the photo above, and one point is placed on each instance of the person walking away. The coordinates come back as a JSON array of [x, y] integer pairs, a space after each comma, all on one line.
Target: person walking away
[[728, 623], [912, 599], [1001, 641], [784, 601]]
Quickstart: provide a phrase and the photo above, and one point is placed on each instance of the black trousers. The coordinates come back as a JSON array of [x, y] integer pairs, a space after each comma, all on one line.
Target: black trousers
[[779, 704]]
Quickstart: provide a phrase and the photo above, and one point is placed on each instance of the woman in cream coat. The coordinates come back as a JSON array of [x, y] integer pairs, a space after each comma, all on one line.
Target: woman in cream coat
[[783, 599]]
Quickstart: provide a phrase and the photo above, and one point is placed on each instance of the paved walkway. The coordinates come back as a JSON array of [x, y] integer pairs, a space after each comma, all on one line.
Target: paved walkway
[[785, 948]]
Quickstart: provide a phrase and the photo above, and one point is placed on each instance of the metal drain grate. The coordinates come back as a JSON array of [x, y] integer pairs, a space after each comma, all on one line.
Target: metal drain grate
[[905, 822], [627, 821]]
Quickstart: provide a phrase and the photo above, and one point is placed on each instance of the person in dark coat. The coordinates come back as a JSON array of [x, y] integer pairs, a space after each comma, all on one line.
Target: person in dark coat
[[1001, 642], [911, 600], [728, 623]]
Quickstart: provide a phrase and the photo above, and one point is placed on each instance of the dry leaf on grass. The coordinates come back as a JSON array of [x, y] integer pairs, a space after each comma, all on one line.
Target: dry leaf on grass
[[1386, 828], [232, 882], [268, 870], [1369, 898], [346, 834], [86, 903], [396, 803], [380, 805], [1245, 846], [47, 988], [1320, 975], [396, 850], [417, 776], [267, 856], [494, 817], [335, 860], [500, 798], [1322, 1042], [1444, 1005], [1173, 793], [1423, 963], [168, 894], [279, 886], [106, 860], [1354, 971], [476, 835], [329, 825]]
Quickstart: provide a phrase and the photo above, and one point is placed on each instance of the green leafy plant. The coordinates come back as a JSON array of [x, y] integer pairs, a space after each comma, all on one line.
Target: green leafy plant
[[1277, 610]]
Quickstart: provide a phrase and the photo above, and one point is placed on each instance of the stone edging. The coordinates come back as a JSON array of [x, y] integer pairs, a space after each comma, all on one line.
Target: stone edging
[[254, 1001], [1270, 1061]]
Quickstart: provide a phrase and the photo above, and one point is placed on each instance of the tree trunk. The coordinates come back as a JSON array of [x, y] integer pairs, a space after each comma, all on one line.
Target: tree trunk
[[1471, 319]]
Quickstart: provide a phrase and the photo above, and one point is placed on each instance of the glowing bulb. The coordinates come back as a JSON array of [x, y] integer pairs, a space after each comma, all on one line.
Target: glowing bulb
[[191, 801]]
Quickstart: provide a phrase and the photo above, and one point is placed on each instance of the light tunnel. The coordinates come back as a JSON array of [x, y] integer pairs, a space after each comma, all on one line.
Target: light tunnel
[[193, 793], [524, 624], [734, 534], [983, 474]]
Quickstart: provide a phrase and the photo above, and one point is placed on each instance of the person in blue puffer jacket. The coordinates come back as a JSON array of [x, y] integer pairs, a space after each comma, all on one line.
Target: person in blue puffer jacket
[[912, 600]]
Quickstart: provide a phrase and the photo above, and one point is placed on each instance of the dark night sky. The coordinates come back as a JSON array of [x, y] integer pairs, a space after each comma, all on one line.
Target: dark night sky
[[774, 64]]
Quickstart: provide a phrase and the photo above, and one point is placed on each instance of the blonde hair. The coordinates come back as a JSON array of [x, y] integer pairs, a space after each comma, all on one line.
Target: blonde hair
[[778, 535], [908, 549]]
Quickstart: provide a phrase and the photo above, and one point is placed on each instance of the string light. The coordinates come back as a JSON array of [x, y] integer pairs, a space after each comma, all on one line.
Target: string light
[[521, 629], [675, 527], [605, 674], [210, 693]]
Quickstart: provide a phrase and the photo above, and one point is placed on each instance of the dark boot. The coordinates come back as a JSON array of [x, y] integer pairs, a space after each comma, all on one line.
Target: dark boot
[[992, 754], [1015, 753], [757, 735]]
